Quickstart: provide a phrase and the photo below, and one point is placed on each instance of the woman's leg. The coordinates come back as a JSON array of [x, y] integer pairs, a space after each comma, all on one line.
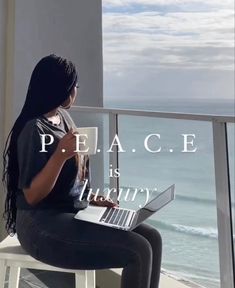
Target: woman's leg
[[154, 238], [60, 240]]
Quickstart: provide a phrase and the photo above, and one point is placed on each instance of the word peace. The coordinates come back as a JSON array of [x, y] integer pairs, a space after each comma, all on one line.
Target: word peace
[[116, 142]]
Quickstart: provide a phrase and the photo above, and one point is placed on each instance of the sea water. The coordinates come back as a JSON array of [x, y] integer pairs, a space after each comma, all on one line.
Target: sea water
[[188, 225]]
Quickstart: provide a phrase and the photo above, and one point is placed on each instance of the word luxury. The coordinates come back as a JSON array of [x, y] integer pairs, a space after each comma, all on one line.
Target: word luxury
[[187, 143], [114, 190]]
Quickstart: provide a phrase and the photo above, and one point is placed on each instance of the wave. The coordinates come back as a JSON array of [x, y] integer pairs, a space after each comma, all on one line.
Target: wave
[[185, 198], [208, 232], [196, 199], [205, 232]]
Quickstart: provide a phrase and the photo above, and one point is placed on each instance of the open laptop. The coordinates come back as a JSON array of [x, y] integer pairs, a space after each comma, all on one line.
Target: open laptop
[[122, 218]]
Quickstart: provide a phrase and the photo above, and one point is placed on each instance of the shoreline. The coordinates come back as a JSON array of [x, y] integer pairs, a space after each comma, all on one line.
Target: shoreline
[[186, 282], [106, 277]]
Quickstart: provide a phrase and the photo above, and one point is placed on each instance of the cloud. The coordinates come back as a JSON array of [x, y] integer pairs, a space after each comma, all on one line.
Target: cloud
[[134, 36], [141, 84], [128, 3], [158, 40]]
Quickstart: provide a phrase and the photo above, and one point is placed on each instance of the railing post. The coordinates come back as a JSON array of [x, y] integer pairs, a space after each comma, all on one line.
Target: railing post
[[223, 199], [113, 156]]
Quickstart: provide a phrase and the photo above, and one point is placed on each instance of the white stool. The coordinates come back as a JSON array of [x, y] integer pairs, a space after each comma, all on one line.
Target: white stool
[[13, 255]]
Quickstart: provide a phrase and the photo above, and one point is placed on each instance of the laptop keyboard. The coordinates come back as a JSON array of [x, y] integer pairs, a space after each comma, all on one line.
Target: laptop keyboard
[[115, 216]]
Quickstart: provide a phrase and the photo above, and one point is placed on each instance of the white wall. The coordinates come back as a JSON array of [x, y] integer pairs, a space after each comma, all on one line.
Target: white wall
[[72, 29]]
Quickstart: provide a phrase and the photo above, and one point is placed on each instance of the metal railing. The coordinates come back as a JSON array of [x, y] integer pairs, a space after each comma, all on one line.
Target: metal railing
[[222, 179]]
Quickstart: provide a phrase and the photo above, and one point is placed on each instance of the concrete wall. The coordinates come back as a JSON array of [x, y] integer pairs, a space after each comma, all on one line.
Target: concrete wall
[[72, 29]]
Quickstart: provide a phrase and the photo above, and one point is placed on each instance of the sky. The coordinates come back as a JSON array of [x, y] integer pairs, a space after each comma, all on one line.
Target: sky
[[168, 49]]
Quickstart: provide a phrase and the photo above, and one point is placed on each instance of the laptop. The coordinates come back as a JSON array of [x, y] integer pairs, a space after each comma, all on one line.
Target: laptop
[[122, 218]]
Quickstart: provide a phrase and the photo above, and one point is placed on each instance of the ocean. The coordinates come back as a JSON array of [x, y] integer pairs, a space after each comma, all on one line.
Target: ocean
[[188, 225]]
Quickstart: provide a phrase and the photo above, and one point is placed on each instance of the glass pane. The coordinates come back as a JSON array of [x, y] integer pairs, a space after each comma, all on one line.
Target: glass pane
[[231, 145], [188, 225]]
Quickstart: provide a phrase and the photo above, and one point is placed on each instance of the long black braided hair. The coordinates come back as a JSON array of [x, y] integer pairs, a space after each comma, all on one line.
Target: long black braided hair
[[51, 83]]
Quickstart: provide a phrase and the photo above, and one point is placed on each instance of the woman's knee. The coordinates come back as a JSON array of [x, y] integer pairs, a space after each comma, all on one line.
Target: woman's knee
[[142, 248], [151, 233], [156, 236]]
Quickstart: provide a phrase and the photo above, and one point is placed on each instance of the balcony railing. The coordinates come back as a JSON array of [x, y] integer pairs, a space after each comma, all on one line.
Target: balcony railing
[[222, 179]]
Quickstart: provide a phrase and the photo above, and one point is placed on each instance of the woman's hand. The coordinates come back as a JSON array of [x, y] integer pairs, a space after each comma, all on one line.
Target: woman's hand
[[66, 146], [102, 201]]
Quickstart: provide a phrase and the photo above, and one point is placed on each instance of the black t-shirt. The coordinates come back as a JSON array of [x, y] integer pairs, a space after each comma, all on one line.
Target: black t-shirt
[[65, 194]]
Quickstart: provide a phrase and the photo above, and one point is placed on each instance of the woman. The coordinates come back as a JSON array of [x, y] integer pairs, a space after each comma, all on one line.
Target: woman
[[43, 188]]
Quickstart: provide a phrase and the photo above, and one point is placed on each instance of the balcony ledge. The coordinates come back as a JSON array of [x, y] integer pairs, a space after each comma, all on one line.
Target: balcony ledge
[[112, 278]]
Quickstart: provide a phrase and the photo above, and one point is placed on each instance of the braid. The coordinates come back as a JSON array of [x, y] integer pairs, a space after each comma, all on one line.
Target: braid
[[50, 85]]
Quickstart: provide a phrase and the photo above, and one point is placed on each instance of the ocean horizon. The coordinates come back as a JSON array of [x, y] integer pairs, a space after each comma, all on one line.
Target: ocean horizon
[[224, 107]]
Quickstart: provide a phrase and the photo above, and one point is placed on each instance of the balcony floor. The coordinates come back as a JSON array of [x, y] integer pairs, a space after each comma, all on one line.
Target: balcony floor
[[30, 278]]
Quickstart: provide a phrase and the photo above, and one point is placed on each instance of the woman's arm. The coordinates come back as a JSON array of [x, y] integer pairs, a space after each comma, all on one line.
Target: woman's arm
[[43, 183]]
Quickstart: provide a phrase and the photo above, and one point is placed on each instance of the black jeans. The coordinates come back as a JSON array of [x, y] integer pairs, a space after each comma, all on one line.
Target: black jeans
[[56, 238]]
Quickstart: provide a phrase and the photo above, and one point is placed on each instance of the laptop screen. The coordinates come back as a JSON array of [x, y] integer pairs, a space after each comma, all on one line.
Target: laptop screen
[[161, 199], [156, 204]]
